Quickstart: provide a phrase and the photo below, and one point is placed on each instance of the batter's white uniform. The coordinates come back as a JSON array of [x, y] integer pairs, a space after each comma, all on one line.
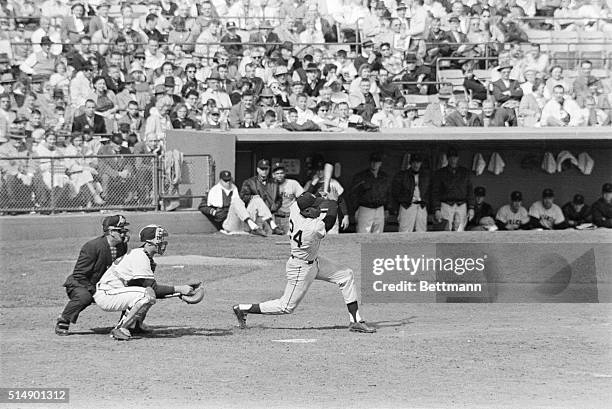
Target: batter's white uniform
[[304, 266], [112, 292]]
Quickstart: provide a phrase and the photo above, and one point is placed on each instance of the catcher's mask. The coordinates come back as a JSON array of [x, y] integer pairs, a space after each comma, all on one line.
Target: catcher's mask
[[309, 206], [156, 235]]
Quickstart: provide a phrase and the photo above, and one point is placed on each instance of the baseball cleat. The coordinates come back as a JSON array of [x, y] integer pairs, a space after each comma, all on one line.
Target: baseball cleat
[[240, 316], [278, 231], [121, 334], [361, 327], [141, 328], [258, 232], [62, 328]]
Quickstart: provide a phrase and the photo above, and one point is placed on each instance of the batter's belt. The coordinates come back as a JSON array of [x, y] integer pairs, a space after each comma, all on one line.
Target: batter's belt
[[302, 260]]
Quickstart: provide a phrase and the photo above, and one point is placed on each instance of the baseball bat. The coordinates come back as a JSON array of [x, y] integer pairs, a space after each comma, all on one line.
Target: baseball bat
[[328, 170]]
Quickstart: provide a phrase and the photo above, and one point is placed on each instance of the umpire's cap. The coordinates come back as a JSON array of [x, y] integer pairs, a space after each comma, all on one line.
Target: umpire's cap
[[116, 222]]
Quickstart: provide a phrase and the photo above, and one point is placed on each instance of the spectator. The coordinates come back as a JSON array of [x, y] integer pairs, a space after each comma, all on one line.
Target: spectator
[[385, 118], [411, 118], [233, 42], [500, 116], [182, 121], [100, 19], [106, 102], [535, 60], [89, 120], [116, 172], [292, 122], [154, 57], [513, 216], [475, 87], [462, 116], [262, 188], [545, 214], [581, 83], [238, 111], [415, 75], [561, 110], [53, 172], [595, 94], [15, 177], [167, 69], [601, 210], [410, 191], [507, 92], [42, 62], [73, 26], [363, 102], [370, 194], [565, 10], [221, 98], [484, 216], [143, 167], [437, 112], [452, 194], [267, 104], [387, 88], [313, 81], [81, 173], [531, 105], [576, 212], [159, 121], [529, 75]]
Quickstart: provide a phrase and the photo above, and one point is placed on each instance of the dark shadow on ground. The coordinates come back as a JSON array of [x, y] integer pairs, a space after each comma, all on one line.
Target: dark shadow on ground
[[164, 331], [375, 324]]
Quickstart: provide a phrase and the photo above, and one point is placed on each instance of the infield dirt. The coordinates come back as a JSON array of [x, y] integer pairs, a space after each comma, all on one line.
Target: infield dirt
[[423, 355]]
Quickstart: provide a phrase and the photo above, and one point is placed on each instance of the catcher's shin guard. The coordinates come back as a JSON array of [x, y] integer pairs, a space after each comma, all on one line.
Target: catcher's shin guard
[[138, 310]]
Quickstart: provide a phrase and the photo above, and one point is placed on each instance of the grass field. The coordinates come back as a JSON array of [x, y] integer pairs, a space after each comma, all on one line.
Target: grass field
[[423, 355]]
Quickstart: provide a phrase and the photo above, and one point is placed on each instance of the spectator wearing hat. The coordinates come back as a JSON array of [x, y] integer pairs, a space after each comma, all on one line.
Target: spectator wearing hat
[[507, 92], [266, 104], [95, 257], [513, 216], [545, 214], [595, 103], [452, 193], [263, 190], [314, 83], [266, 36], [41, 62], [172, 82], [562, 110], [233, 42], [410, 116], [577, 212], [287, 58], [415, 75], [601, 210], [212, 92], [410, 190], [16, 183], [89, 119], [484, 216], [437, 112], [370, 195]]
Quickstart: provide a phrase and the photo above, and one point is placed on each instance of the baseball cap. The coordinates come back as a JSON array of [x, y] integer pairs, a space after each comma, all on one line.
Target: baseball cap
[[225, 175], [160, 89], [416, 158], [376, 157], [263, 164], [548, 193], [116, 222], [606, 188], [306, 200], [578, 199], [480, 191], [452, 153], [277, 165], [230, 25], [516, 196]]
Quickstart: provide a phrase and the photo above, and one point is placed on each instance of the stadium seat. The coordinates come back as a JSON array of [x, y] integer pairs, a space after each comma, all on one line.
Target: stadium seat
[[591, 47], [563, 48], [541, 37], [600, 73], [454, 77], [418, 100], [483, 75], [570, 74]]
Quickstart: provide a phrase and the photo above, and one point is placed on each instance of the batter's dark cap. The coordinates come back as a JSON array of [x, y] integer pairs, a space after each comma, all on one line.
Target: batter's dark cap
[[278, 165], [548, 193], [263, 164], [306, 200], [516, 196], [480, 191], [225, 175], [578, 199], [606, 188], [116, 222]]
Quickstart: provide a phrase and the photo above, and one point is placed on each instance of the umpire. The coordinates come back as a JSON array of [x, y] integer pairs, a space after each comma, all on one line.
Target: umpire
[[95, 258]]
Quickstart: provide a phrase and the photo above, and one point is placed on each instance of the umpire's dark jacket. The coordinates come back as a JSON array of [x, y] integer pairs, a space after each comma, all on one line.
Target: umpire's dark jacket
[[268, 192], [402, 188], [452, 186], [94, 259]]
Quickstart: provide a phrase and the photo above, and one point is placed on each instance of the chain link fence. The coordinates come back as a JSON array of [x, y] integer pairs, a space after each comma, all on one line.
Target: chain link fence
[[123, 182]]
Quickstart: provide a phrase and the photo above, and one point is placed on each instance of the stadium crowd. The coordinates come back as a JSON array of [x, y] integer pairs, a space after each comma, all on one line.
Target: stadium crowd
[[97, 78]]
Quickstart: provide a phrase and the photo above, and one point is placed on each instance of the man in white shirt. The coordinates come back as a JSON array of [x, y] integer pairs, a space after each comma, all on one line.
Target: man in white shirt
[[545, 214], [561, 110], [385, 118], [212, 92], [417, 16], [304, 114]]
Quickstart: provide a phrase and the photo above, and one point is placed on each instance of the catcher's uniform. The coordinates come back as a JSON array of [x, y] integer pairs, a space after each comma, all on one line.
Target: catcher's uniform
[[304, 265], [113, 293]]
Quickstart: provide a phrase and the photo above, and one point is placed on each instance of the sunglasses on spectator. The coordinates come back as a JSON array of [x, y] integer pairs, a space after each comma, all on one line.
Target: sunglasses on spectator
[[256, 57], [323, 110]]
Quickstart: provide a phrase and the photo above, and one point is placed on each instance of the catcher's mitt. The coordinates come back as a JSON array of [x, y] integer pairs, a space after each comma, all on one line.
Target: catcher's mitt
[[196, 295]]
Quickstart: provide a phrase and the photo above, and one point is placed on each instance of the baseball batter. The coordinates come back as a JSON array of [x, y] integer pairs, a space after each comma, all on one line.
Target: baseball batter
[[310, 219], [129, 284]]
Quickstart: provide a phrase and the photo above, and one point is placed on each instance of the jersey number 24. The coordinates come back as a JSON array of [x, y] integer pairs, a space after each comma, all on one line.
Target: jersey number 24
[[297, 237]]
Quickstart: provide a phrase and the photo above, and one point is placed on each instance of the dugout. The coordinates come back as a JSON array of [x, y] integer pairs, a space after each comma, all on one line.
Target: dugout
[[522, 150]]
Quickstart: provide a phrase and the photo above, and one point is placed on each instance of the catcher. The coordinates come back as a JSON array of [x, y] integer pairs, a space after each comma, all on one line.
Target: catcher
[[129, 284]]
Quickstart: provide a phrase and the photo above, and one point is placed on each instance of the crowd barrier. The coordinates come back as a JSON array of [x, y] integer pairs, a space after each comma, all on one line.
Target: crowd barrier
[[51, 184]]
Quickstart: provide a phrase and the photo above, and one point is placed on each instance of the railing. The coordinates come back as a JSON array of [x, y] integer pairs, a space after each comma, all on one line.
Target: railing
[[50, 184]]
